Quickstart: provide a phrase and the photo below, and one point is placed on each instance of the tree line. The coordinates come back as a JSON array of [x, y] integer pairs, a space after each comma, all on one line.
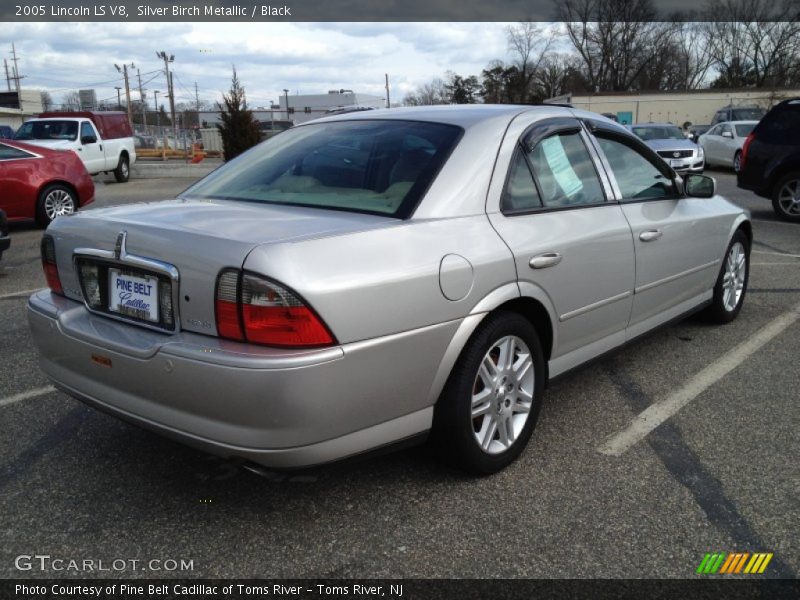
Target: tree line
[[619, 45]]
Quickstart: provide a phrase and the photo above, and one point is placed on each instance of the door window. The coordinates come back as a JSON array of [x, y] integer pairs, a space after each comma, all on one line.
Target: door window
[[638, 177], [564, 172], [521, 194], [87, 130]]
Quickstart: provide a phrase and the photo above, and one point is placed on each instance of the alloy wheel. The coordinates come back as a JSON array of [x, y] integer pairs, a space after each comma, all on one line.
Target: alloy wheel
[[502, 394], [789, 198], [58, 202], [734, 277]]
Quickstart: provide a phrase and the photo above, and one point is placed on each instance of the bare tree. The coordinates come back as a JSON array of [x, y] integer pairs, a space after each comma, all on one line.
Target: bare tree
[[47, 101], [757, 45], [617, 40], [529, 44], [432, 92], [71, 101]]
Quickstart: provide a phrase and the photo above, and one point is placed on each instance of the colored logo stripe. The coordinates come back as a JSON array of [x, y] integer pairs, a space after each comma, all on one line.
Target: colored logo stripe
[[733, 563]]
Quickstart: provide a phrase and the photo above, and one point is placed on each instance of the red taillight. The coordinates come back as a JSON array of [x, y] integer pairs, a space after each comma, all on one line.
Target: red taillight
[[270, 314], [229, 324], [49, 265], [745, 146]]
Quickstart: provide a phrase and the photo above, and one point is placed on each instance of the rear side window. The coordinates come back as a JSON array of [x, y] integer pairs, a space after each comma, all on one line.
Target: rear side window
[[10, 153], [521, 194], [637, 177], [371, 166], [564, 172]]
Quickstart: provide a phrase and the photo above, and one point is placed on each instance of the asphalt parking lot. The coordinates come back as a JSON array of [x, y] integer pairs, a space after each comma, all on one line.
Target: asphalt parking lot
[[720, 475]]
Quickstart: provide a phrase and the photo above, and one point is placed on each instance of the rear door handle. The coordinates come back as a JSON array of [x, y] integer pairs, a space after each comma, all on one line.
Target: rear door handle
[[650, 236], [548, 259]]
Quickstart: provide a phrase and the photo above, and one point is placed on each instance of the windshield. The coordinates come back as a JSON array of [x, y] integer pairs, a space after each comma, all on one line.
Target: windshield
[[747, 114], [744, 130], [48, 130], [659, 133], [372, 166]]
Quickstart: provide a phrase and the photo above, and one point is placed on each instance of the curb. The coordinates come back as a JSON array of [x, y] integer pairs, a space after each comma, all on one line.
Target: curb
[[143, 170]]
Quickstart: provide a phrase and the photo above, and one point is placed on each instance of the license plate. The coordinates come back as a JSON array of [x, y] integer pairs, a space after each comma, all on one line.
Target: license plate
[[676, 163], [133, 295]]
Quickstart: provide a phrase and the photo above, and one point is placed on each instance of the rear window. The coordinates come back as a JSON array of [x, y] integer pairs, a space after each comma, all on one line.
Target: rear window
[[48, 130], [781, 125], [374, 166], [747, 114]]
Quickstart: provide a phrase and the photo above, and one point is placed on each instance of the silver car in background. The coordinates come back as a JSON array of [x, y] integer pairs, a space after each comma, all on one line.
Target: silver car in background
[[669, 142], [722, 144], [362, 280]]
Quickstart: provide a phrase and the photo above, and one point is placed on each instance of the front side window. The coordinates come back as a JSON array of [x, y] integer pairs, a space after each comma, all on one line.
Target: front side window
[[371, 166], [48, 130], [87, 130], [11, 153], [564, 172], [725, 129], [637, 177]]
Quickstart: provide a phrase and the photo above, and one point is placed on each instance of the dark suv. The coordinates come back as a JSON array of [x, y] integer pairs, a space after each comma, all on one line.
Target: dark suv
[[738, 113], [770, 163]]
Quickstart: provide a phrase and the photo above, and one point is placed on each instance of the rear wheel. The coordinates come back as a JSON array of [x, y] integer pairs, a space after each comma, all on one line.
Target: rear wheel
[[737, 161], [491, 402], [123, 171], [54, 201], [786, 197], [731, 285]]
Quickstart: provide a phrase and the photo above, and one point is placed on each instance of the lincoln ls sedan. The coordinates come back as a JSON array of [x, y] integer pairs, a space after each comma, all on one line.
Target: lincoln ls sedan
[[369, 279]]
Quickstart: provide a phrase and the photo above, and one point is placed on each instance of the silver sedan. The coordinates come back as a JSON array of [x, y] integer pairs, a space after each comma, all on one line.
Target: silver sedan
[[367, 279]]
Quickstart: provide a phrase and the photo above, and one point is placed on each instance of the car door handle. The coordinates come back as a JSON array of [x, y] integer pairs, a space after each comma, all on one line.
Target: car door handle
[[548, 259], [650, 236]]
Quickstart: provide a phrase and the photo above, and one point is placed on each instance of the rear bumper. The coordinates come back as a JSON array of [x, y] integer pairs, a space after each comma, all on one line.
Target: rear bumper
[[279, 408]]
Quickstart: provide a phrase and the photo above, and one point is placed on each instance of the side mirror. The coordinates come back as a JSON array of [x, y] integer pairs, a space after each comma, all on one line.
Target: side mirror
[[88, 139], [727, 134], [699, 186]]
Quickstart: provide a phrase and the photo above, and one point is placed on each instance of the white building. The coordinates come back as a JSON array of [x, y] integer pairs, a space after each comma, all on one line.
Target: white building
[[694, 106], [14, 109], [304, 107]]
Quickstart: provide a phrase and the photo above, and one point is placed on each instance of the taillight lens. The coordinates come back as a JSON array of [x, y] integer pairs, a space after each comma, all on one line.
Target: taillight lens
[[745, 146], [260, 311], [229, 324], [49, 265]]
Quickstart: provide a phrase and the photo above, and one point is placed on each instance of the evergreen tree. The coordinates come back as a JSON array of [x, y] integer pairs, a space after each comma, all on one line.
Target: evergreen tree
[[239, 128]]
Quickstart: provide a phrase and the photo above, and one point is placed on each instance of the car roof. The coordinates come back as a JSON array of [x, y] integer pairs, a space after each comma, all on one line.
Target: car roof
[[462, 115]]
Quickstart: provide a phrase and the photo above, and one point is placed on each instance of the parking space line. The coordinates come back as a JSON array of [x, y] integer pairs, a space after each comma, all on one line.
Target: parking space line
[[18, 294], [767, 264], [660, 411], [26, 395], [786, 254], [774, 222]]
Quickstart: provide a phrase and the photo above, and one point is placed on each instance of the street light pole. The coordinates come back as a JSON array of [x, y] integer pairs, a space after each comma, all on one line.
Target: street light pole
[[158, 112], [286, 100], [119, 99], [170, 90], [124, 71]]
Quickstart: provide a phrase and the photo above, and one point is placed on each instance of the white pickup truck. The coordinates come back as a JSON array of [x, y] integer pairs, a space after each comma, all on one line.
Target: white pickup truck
[[102, 140]]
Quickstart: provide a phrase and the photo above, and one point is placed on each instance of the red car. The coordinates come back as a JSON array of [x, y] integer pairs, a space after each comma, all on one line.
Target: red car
[[42, 184]]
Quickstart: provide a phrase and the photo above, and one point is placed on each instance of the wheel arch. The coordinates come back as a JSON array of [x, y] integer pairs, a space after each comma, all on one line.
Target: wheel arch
[[532, 303], [63, 182]]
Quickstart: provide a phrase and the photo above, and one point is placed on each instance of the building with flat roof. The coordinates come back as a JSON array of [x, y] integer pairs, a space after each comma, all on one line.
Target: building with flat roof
[[16, 108], [695, 106]]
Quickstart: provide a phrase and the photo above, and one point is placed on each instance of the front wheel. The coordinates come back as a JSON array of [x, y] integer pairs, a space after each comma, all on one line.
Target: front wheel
[[731, 285], [123, 171], [490, 404], [786, 198], [55, 201]]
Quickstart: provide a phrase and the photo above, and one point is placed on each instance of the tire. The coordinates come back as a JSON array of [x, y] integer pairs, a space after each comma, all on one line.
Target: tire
[[508, 399], [54, 201], [737, 161], [123, 171], [786, 197], [731, 285]]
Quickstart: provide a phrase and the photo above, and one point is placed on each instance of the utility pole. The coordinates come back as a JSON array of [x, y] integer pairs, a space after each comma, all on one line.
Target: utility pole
[[119, 99], [170, 90], [388, 105], [286, 100], [124, 71], [141, 97], [197, 103], [8, 77], [158, 112], [17, 76]]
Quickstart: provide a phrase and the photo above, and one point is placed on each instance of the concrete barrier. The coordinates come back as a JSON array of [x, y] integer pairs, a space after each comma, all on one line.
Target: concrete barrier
[[174, 169]]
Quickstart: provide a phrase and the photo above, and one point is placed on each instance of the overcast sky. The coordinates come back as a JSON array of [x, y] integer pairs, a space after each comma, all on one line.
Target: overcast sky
[[303, 57]]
